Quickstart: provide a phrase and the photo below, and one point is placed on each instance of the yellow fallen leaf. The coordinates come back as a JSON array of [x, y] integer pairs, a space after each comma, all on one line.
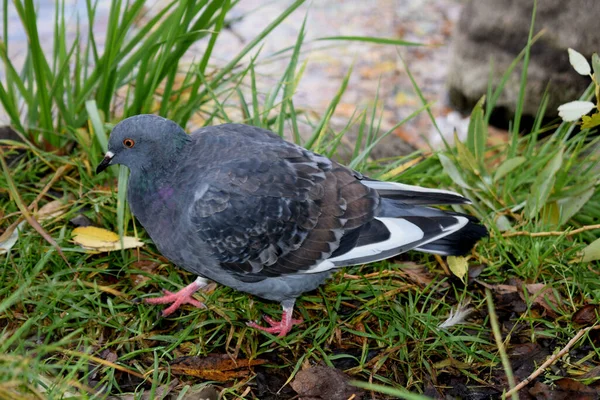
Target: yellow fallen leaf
[[459, 266], [99, 239]]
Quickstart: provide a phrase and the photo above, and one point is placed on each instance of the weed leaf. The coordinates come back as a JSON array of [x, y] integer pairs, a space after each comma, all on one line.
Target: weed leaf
[[543, 184], [508, 166]]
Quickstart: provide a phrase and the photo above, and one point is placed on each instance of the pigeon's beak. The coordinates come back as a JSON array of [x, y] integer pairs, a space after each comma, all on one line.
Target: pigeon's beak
[[105, 162]]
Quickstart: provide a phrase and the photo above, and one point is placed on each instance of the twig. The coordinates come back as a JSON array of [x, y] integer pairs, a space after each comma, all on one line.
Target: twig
[[551, 360], [552, 233]]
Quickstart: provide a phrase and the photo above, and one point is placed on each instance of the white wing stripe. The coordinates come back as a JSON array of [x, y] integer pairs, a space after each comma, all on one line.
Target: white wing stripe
[[402, 232]]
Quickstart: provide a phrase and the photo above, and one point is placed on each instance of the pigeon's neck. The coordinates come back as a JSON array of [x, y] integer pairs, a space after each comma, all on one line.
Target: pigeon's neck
[[158, 173], [150, 196], [147, 180]]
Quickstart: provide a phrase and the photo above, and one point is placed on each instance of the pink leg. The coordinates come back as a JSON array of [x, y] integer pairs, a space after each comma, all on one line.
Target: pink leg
[[282, 327], [184, 296]]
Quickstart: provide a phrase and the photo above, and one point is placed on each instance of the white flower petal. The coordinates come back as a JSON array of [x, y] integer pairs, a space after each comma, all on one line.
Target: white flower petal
[[574, 110], [578, 61]]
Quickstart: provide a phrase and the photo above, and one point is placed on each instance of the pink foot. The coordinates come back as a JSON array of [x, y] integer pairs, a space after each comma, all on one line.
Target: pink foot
[[282, 327], [184, 296]]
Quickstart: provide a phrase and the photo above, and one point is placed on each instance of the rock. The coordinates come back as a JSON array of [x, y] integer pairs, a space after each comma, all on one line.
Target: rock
[[324, 383], [204, 393], [497, 30]]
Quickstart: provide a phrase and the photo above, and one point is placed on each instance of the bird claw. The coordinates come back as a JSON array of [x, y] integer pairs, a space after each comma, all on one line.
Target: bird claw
[[184, 296], [282, 327], [275, 323]]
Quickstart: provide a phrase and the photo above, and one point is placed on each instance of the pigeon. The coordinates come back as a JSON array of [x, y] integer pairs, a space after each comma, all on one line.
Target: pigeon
[[238, 205]]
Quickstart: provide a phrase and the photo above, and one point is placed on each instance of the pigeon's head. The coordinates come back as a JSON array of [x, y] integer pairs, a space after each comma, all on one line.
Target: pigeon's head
[[143, 142]]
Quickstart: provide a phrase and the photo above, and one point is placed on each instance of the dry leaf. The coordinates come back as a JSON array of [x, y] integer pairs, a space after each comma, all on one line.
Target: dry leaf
[[459, 266], [419, 275], [52, 209], [543, 295], [10, 237], [577, 388], [592, 373], [147, 266], [586, 315], [540, 294], [214, 367], [99, 240]]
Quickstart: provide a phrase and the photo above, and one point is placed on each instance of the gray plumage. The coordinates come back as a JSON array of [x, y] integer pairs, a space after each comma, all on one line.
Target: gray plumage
[[238, 205]]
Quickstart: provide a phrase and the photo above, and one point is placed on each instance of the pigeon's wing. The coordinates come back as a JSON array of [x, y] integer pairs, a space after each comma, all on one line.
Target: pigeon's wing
[[283, 210]]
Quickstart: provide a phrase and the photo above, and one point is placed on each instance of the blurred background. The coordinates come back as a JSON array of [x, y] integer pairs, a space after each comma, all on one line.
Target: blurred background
[[463, 44]]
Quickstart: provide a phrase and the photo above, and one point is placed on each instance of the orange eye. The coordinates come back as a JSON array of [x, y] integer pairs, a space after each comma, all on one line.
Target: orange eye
[[129, 143]]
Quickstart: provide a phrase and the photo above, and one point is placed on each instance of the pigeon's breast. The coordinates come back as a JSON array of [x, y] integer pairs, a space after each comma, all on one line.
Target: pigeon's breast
[[158, 210]]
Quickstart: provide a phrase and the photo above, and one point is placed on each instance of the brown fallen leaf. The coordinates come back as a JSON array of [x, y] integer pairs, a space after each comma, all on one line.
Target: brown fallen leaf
[[571, 385], [539, 294], [419, 274], [147, 266], [53, 209], [214, 367], [100, 240], [586, 315], [543, 295], [593, 373], [324, 383]]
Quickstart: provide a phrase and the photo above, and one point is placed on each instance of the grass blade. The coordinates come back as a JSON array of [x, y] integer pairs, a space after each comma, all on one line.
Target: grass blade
[[12, 189], [543, 184], [523, 87]]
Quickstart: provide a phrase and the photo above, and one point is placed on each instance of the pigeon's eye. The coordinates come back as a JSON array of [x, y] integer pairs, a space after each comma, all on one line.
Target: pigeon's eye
[[129, 143]]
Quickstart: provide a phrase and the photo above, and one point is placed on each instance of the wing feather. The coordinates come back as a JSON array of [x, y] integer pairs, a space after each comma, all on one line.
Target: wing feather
[[282, 211]]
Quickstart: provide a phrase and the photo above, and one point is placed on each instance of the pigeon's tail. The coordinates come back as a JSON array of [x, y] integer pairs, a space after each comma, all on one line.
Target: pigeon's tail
[[404, 222], [415, 195]]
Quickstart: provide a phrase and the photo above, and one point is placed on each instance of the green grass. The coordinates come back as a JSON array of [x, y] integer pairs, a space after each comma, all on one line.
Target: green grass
[[59, 322]]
